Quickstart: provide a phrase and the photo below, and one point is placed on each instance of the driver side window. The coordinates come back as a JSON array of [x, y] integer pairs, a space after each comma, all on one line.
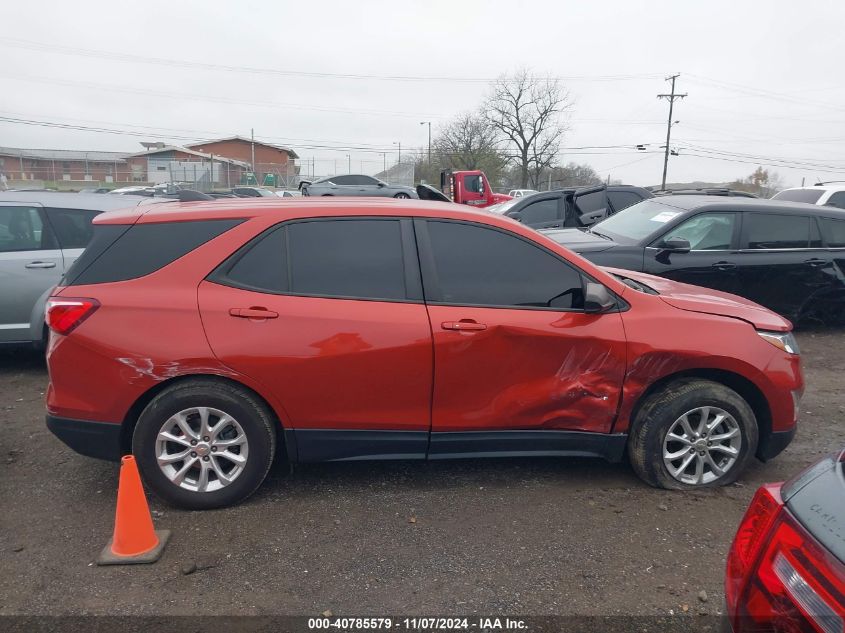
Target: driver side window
[[706, 232]]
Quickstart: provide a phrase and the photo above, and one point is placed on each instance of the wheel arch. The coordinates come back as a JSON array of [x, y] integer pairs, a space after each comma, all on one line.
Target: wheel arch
[[283, 437], [749, 392]]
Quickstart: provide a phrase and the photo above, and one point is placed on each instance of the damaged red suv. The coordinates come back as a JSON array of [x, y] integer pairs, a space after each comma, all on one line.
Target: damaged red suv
[[207, 337]]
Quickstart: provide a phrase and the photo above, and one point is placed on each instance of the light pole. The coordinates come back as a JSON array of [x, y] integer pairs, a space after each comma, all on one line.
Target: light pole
[[399, 143], [428, 123], [384, 158], [349, 163]]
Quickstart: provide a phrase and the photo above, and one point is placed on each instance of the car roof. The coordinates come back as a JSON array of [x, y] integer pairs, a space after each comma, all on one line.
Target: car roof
[[818, 187], [724, 203], [290, 208], [89, 201]]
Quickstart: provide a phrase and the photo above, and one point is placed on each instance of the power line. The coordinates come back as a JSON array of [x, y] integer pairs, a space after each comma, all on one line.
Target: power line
[[159, 61]]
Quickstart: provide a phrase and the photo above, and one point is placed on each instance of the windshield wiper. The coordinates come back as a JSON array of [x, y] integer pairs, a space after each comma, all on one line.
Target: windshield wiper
[[594, 232]]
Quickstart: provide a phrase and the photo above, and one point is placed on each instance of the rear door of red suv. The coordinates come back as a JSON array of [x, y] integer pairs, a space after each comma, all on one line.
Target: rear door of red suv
[[328, 315]]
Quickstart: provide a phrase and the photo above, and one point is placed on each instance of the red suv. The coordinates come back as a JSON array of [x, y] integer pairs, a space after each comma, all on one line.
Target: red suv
[[206, 337]]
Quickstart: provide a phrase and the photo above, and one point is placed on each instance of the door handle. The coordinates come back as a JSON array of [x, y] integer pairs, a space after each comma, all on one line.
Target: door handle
[[467, 325], [724, 266], [253, 313], [816, 262], [41, 265]]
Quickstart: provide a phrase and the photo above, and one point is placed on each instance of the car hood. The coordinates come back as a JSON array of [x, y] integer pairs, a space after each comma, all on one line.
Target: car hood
[[580, 241], [708, 301]]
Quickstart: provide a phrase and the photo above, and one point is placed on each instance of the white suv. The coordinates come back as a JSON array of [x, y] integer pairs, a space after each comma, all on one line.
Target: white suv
[[824, 194]]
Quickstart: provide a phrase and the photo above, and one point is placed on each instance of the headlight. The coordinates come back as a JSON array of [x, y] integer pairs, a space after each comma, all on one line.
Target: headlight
[[782, 340]]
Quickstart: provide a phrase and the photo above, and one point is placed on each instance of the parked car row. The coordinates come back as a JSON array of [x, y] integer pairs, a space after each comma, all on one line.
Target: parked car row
[[789, 257]]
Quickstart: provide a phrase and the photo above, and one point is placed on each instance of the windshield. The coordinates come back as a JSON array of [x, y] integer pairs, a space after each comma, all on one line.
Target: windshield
[[637, 222], [799, 195]]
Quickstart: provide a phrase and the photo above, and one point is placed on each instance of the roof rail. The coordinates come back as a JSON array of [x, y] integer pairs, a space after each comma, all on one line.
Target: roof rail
[[827, 182]]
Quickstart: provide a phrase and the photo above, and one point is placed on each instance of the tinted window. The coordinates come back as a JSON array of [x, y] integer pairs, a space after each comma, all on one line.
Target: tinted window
[[343, 180], [836, 200], [21, 229], [776, 231], [622, 199], [264, 265], [540, 211], [73, 227], [591, 202], [833, 232], [481, 266], [810, 196], [141, 249], [347, 258], [708, 231], [364, 180]]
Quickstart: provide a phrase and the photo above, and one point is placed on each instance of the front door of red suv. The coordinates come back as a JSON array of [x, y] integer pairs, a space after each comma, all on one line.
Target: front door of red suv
[[327, 316], [514, 349]]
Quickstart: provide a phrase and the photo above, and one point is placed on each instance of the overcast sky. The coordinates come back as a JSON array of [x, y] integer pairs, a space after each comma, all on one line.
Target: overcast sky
[[765, 79]]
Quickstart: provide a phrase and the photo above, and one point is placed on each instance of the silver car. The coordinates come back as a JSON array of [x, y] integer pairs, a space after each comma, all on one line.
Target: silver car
[[41, 235], [356, 185]]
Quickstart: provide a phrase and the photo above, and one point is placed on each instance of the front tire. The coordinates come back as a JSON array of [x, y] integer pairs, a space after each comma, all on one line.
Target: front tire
[[204, 443], [692, 434]]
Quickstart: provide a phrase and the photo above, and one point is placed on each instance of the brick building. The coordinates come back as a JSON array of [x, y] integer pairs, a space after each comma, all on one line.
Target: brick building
[[274, 160], [63, 165]]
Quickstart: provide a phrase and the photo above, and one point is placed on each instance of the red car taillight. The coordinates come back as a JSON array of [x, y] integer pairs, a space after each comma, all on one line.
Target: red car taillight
[[749, 540], [779, 577], [65, 315]]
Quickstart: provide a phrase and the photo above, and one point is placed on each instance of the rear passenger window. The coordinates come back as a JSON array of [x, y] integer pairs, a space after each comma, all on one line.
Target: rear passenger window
[[347, 258], [836, 200], [21, 229], [622, 199], [486, 267], [72, 226], [769, 231], [833, 232], [355, 259]]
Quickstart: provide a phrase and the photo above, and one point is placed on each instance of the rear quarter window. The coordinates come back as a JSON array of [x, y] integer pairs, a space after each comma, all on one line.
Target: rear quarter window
[[119, 253], [833, 232]]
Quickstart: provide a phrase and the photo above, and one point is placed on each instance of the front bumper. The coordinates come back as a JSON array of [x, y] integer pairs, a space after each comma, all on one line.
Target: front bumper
[[93, 439], [773, 444]]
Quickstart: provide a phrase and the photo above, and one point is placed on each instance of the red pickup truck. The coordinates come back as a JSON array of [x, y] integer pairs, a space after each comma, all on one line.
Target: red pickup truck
[[464, 187]]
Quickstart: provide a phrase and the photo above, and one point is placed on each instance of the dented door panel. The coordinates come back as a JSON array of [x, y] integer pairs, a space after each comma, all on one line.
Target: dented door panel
[[527, 369]]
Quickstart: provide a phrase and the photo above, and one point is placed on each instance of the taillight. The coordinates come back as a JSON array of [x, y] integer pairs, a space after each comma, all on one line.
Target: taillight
[[65, 315], [794, 585], [750, 539]]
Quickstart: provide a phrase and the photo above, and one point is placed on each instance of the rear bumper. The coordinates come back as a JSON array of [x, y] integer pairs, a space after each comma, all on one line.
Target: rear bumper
[[93, 439], [773, 444]]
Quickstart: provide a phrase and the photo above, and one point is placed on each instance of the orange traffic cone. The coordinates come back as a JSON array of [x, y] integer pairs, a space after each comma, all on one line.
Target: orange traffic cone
[[134, 540]]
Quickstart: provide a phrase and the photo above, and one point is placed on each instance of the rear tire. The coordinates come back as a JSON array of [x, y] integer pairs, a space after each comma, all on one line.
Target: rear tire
[[692, 434], [204, 443], [402, 196]]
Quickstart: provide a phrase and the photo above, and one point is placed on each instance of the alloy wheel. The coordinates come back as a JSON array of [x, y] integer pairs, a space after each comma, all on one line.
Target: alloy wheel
[[702, 445], [201, 449]]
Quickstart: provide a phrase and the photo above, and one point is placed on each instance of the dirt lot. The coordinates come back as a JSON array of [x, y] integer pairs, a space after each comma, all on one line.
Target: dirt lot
[[545, 536]]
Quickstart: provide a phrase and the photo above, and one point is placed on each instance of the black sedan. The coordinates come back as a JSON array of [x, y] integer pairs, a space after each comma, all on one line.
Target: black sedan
[[789, 257]]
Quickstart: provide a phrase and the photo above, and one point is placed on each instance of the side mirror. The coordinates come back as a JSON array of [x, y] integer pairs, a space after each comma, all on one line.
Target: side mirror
[[675, 245], [380, 185], [597, 299], [516, 215]]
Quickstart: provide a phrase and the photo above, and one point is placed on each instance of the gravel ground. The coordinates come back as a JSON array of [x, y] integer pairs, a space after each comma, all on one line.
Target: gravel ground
[[542, 536]]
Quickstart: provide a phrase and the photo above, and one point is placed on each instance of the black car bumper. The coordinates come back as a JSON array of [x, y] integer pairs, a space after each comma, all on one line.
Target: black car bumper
[[93, 439], [773, 444]]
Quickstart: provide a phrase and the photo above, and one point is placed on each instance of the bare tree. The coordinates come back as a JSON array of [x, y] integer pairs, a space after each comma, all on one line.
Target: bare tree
[[469, 142], [526, 111], [761, 182]]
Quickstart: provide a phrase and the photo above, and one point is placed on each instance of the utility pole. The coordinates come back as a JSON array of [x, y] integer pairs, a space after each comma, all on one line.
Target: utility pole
[[252, 136], [671, 99], [384, 158], [429, 138], [399, 143], [349, 163]]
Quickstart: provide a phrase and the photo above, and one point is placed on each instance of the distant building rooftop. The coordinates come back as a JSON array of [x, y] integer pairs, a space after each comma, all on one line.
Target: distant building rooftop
[[63, 154]]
